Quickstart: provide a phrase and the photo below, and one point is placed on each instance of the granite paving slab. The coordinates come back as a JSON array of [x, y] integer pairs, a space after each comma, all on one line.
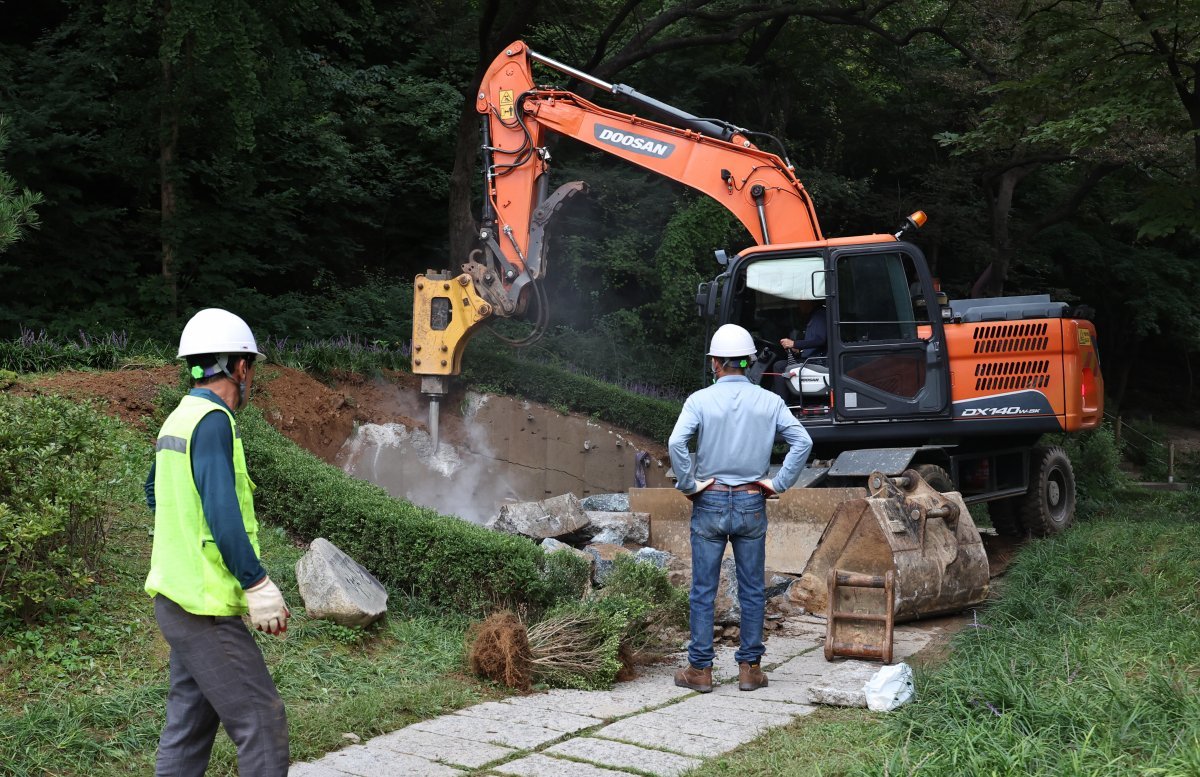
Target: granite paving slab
[[439, 747], [675, 741], [647, 726], [555, 720], [543, 766], [365, 761], [520, 736], [618, 755]]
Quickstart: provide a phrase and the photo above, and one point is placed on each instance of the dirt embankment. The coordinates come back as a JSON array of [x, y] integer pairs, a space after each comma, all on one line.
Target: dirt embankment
[[316, 416], [313, 415]]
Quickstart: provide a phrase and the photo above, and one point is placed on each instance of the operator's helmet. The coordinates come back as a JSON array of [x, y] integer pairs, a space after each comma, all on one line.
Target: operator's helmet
[[216, 331], [731, 340]]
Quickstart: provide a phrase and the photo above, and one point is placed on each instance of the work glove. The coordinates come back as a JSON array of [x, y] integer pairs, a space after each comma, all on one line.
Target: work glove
[[699, 489], [267, 609], [768, 489]]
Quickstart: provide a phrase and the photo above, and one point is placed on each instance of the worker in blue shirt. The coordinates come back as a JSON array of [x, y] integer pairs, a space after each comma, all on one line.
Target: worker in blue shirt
[[205, 571], [734, 424]]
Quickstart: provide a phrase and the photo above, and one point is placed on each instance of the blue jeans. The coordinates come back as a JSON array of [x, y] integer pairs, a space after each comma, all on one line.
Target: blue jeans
[[741, 519]]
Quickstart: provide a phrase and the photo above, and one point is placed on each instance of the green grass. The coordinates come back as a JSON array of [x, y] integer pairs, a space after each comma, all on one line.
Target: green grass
[[831, 741], [1089, 664], [84, 693]]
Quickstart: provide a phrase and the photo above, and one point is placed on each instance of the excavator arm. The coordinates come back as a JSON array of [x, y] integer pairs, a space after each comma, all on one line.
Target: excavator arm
[[760, 188]]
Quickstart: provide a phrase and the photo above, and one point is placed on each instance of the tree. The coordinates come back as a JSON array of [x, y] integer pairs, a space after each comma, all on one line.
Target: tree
[[16, 206]]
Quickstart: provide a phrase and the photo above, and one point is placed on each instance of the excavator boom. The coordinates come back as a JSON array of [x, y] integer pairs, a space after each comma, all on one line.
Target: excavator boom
[[758, 187]]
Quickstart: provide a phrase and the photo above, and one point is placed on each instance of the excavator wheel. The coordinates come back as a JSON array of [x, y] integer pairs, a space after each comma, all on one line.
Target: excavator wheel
[[937, 477], [1048, 507]]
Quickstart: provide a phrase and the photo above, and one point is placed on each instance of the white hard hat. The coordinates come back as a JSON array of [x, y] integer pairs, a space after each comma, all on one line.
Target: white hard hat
[[213, 330], [731, 340]]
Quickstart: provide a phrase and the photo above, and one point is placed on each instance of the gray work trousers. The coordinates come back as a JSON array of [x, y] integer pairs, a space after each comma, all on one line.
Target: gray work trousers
[[218, 676]]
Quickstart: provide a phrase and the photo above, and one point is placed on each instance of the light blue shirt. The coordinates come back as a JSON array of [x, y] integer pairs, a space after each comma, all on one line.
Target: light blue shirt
[[735, 423]]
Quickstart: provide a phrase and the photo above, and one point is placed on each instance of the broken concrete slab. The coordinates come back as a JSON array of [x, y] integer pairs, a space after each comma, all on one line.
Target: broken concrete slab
[[727, 611], [618, 755], [336, 587], [554, 517], [612, 503], [440, 747], [659, 558], [544, 766], [618, 528]]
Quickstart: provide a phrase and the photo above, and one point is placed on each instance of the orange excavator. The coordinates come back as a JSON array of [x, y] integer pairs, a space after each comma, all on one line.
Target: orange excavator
[[957, 392]]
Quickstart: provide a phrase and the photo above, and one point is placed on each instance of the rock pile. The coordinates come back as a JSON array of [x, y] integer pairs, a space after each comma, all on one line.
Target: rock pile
[[599, 528]]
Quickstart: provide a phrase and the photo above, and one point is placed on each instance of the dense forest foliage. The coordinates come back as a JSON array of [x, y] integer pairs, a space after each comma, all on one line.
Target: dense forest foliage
[[272, 156]]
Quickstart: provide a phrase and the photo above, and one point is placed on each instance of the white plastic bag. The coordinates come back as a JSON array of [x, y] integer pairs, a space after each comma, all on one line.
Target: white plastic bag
[[889, 688]]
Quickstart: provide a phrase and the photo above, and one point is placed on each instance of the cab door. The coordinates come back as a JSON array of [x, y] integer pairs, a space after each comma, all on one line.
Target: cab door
[[886, 342]]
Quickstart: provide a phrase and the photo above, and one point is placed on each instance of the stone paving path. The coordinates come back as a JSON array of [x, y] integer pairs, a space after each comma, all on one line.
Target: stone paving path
[[647, 725]]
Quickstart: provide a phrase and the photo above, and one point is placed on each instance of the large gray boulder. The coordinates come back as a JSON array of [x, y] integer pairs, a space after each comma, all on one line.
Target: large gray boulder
[[335, 587], [659, 558], [611, 503], [555, 517], [618, 528]]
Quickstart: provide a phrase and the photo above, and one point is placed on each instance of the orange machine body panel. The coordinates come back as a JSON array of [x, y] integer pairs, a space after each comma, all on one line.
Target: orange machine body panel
[[1056, 357]]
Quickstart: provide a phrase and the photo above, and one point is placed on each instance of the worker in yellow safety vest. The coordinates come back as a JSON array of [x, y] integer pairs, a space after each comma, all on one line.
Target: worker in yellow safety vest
[[205, 571]]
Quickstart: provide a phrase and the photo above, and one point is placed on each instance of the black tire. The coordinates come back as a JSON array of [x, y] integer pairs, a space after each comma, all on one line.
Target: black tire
[[1006, 517], [1048, 507], [936, 476]]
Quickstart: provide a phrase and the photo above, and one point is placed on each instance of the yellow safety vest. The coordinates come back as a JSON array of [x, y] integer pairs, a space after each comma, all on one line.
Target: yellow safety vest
[[185, 564]]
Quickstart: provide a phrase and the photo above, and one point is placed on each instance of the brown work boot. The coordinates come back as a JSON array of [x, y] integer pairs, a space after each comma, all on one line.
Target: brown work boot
[[696, 679], [751, 677]]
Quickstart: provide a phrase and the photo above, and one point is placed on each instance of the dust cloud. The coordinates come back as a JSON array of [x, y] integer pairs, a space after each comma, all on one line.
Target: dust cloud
[[470, 483]]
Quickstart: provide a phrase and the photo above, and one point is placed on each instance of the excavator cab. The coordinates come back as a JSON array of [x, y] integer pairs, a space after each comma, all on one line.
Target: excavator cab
[[885, 355]]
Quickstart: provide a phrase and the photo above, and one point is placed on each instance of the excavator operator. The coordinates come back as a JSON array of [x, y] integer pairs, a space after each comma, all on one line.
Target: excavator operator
[[797, 349]]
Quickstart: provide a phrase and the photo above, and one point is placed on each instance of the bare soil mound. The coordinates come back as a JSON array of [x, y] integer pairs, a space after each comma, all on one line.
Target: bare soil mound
[[126, 394], [310, 413]]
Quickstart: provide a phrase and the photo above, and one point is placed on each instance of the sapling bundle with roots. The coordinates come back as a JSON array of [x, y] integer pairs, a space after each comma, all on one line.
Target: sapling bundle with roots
[[569, 648], [588, 643]]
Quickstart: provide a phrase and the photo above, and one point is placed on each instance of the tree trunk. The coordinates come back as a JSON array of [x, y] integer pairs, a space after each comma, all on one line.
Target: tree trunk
[[1002, 248], [464, 228], [168, 146]]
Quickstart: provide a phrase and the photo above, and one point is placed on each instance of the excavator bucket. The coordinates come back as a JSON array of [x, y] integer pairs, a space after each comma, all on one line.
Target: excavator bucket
[[925, 538], [899, 524]]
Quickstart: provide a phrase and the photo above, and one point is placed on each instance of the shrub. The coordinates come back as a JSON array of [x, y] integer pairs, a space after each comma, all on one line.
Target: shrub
[[1096, 462], [560, 387], [568, 575], [652, 608], [59, 464], [441, 559]]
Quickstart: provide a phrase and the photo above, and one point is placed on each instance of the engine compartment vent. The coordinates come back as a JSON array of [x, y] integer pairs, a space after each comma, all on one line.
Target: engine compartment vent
[[1011, 338], [1012, 375]]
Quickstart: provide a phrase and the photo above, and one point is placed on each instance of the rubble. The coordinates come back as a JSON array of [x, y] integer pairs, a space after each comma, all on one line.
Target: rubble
[[550, 545], [605, 555], [608, 503], [336, 587], [555, 517], [659, 558], [618, 528]]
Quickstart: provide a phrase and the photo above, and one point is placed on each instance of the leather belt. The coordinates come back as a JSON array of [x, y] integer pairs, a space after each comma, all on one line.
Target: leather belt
[[751, 488]]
